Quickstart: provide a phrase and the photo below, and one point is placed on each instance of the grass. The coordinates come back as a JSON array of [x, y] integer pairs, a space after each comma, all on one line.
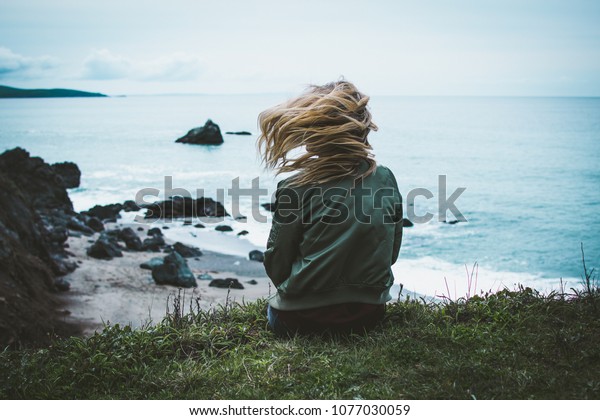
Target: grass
[[509, 345]]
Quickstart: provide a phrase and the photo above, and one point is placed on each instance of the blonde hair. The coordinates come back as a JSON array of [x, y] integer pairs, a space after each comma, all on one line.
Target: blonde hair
[[331, 121]]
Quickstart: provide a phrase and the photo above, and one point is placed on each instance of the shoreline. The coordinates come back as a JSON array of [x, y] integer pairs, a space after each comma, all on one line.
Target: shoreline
[[119, 291]]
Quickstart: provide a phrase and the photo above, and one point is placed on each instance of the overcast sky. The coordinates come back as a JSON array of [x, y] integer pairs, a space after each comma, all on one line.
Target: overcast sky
[[420, 47]]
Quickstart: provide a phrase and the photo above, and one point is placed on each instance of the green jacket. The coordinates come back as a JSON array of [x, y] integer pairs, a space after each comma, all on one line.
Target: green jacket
[[335, 243]]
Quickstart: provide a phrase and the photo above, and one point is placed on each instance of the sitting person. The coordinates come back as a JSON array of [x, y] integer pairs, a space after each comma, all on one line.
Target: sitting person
[[337, 221]]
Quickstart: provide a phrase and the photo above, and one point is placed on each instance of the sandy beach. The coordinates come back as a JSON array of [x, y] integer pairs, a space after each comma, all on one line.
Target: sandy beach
[[119, 291]]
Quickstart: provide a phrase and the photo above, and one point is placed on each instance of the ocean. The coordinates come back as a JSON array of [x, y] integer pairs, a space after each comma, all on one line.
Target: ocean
[[529, 168]]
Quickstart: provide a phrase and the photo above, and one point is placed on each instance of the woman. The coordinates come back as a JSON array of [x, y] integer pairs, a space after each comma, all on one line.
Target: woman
[[337, 223]]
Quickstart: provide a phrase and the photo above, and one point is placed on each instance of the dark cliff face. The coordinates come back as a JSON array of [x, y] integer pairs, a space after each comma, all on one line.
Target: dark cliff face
[[34, 206]]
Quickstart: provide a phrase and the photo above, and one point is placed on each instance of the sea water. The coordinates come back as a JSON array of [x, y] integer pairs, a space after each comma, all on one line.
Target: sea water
[[529, 168]]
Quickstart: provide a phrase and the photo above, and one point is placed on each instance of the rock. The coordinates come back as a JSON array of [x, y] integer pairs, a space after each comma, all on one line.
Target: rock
[[105, 248], [130, 205], [205, 276], [224, 228], [185, 208], [154, 232], [269, 206], [174, 271], [168, 249], [166, 227], [199, 226], [69, 173], [239, 133], [452, 222], [253, 282], [243, 233], [75, 224], [228, 283], [209, 134], [186, 251], [256, 255], [153, 262], [105, 213], [407, 223], [187, 222], [153, 243], [140, 229], [95, 224], [132, 241], [62, 285]]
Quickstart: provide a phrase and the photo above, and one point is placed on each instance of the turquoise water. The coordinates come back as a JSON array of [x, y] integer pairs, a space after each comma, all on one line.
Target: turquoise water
[[529, 166]]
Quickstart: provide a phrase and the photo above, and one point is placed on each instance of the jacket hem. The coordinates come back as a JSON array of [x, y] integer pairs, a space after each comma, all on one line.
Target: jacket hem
[[358, 294]]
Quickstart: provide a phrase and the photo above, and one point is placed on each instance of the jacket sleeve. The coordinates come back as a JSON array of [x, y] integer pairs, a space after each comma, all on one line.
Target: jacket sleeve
[[285, 236], [398, 221]]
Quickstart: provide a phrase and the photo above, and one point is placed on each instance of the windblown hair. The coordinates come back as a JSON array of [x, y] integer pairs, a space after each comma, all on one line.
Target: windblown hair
[[332, 122]]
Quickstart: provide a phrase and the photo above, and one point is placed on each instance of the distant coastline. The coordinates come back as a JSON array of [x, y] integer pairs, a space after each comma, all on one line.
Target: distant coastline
[[11, 92]]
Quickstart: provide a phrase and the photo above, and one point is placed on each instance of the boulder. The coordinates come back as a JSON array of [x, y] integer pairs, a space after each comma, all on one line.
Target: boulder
[[108, 212], [174, 271], [153, 243], [243, 233], [209, 134], [105, 248], [256, 255], [154, 232], [69, 173], [94, 223], [132, 241], [228, 283], [130, 205], [407, 223], [199, 226], [186, 251], [224, 228], [185, 208]]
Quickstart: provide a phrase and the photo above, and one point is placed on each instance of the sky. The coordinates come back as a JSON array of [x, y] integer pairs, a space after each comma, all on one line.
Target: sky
[[419, 47]]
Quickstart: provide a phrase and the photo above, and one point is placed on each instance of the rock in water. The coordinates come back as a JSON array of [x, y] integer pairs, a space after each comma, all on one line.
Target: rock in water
[[268, 206], [224, 228], [186, 251], [69, 174], [407, 223], [228, 283], [209, 134], [174, 271], [256, 255], [239, 133], [185, 208]]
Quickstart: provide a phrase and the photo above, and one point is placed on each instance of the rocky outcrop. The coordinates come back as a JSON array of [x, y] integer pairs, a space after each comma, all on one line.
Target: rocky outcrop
[[69, 173], [109, 212], [209, 134], [174, 271], [36, 216], [184, 207]]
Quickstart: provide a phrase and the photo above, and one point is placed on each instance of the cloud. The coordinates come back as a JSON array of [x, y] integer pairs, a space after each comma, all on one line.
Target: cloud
[[18, 65], [104, 65]]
